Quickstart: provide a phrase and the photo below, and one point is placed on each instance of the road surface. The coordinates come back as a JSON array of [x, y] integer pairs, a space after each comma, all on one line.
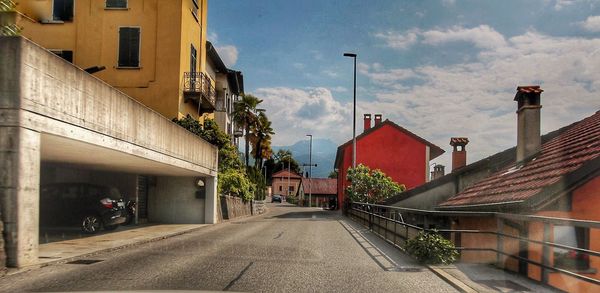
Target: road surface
[[288, 249]]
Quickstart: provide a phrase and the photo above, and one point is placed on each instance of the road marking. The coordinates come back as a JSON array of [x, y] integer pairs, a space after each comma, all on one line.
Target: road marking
[[278, 236]]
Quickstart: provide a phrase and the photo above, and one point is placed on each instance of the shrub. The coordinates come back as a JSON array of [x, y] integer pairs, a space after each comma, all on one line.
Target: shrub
[[236, 183], [371, 186], [432, 248]]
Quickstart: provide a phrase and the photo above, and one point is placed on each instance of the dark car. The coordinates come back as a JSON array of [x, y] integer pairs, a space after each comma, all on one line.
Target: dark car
[[87, 206], [276, 198]]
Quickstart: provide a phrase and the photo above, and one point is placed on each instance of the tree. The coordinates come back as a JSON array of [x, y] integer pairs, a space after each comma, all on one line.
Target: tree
[[244, 114], [333, 174], [370, 186], [260, 139], [282, 158]]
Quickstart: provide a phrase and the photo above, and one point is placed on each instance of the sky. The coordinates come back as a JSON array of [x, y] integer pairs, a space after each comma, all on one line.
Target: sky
[[440, 68]]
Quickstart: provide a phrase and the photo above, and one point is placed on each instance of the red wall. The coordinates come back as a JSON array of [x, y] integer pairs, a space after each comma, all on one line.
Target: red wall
[[397, 154]]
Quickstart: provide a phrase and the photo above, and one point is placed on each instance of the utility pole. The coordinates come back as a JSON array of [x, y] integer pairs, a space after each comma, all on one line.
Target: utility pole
[[310, 171]]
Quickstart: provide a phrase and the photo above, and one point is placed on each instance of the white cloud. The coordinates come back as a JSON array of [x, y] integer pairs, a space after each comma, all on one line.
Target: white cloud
[[296, 112], [448, 2], [213, 37], [475, 98], [339, 89], [229, 54], [592, 23], [399, 41], [330, 73], [299, 65], [560, 4], [482, 36]]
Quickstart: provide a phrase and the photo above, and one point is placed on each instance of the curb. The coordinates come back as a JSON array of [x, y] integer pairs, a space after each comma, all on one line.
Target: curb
[[454, 282]]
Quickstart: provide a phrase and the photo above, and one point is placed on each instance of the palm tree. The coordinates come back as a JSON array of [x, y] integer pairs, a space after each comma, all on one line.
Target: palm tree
[[244, 113], [261, 132]]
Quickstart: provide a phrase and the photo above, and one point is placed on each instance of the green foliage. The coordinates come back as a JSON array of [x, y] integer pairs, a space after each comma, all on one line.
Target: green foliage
[[244, 114], [236, 183], [228, 155], [432, 248], [371, 186], [260, 139], [258, 179], [333, 174], [281, 160]]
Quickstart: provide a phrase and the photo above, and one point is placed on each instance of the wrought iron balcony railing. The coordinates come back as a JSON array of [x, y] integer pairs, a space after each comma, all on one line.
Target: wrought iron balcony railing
[[197, 86]]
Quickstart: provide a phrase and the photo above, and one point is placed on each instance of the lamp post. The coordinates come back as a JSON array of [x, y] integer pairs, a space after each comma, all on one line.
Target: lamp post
[[353, 55], [310, 171]]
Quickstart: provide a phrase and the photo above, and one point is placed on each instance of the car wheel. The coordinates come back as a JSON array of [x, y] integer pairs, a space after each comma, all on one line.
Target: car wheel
[[91, 224], [111, 227]]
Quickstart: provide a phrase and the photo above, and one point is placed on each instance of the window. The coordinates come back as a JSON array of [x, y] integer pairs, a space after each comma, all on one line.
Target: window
[[62, 10], [193, 59], [116, 3], [67, 55], [291, 188], [195, 9], [280, 188], [575, 237], [129, 47]]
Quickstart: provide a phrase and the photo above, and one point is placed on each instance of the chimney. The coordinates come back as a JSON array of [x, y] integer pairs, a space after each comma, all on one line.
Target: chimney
[[529, 141], [459, 154], [367, 122], [377, 119], [438, 171]]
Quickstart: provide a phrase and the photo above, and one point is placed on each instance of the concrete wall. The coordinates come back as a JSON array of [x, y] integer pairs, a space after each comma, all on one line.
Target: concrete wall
[[45, 102], [173, 201]]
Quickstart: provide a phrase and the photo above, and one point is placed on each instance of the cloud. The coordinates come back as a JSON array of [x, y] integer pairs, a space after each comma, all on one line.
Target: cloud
[[475, 98], [448, 2], [299, 65], [399, 41], [229, 54], [482, 36], [592, 24], [330, 73], [560, 4], [339, 89], [296, 112]]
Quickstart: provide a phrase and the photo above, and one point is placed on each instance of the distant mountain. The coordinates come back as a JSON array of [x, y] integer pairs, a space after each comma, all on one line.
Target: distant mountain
[[323, 154]]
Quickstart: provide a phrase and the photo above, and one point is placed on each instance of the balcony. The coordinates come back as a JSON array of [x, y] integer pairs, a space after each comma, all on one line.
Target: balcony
[[197, 87]]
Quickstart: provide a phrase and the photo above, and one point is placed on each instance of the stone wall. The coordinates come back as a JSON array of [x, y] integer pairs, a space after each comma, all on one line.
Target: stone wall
[[2, 253]]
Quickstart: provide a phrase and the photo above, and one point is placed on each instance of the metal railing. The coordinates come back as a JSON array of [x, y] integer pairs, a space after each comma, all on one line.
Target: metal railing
[[389, 223], [197, 85]]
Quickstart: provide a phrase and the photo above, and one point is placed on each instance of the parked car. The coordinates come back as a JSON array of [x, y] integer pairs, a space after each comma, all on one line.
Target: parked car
[[276, 198], [88, 206]]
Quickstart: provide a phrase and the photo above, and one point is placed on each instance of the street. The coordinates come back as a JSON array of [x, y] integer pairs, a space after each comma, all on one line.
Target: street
[[288, 249]]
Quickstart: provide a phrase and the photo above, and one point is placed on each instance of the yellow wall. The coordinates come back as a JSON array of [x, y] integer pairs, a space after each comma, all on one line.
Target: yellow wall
[[167, 30]]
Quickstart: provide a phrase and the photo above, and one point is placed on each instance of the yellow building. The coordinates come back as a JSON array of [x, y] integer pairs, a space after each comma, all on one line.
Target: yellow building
[[152, 50]]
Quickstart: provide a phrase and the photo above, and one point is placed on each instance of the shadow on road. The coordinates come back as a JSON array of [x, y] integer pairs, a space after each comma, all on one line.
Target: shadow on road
[[310, 215]]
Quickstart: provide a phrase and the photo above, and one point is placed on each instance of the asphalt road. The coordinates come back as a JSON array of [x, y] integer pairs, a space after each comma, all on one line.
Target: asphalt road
[[289, 249]]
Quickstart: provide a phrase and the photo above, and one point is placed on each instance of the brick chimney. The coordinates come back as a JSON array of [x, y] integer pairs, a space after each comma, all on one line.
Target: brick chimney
[[529, 141], [367, 120], [438, 171], [459, 154], [377, 119]]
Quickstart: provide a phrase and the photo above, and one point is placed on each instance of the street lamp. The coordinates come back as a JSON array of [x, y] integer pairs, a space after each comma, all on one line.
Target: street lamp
[[353, 113], [310, 171]]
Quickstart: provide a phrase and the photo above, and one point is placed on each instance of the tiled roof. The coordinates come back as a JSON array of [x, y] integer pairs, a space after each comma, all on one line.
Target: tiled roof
[[320, 186], [528, 89], [559, 157], [284, 174], [459, 141]]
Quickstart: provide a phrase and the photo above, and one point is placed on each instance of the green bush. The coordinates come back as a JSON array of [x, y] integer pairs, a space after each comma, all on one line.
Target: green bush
[[432, 248], [236, 183]]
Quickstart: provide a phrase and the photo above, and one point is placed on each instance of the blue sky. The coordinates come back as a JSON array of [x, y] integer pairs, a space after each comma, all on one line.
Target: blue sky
[[440, 68]]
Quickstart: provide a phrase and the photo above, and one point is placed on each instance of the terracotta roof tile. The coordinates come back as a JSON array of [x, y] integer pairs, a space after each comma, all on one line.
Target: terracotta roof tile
[[284, 174], [560, 156], [320, 186]]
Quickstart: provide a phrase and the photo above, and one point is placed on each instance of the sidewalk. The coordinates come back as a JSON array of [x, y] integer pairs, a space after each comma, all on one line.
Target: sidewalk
[[61, 251]]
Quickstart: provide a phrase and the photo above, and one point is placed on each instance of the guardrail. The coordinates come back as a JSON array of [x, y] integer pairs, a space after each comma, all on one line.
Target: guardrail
[[389, 223]]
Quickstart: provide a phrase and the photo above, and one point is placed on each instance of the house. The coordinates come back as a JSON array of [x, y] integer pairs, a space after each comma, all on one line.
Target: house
[[547, 180], [318, 190], [229, 86], [285, 183], [397, 152], [154, 51]]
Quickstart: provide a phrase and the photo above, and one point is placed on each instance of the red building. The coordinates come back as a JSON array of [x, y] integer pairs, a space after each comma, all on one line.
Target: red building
[[397, 152]]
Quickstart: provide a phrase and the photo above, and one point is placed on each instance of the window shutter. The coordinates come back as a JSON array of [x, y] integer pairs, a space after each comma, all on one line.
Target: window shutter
[[129, 47], [116, 3], [63, 10]]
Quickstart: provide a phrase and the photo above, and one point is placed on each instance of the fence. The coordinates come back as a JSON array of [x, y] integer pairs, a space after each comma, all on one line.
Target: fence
[[389, 222]]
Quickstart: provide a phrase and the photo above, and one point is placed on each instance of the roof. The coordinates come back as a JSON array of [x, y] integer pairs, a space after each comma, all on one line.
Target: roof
[[434, 150], [459, 141], [568, 159], [216, 59], [320, 186], [236, 81], [492, 163], [285, 174]]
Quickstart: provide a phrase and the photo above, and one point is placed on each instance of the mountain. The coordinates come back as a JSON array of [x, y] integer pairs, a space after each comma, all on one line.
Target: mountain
[[323, 154]]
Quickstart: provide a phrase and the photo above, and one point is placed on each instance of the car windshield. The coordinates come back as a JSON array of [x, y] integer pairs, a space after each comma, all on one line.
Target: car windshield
[[300, 146]]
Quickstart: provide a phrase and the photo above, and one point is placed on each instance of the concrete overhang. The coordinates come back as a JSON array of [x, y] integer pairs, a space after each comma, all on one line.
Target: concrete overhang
[[56, 149]]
